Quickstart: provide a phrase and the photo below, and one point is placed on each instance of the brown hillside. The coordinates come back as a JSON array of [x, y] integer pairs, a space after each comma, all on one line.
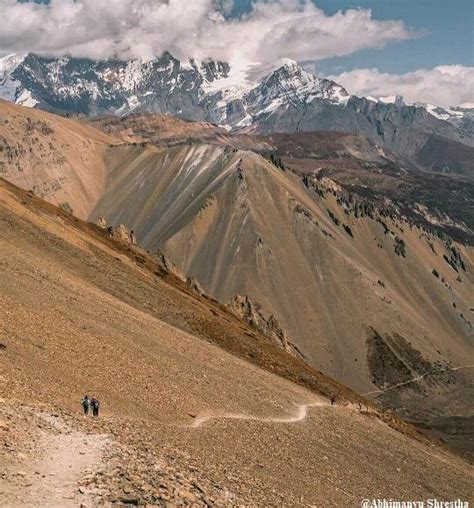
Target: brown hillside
[[81, 312]]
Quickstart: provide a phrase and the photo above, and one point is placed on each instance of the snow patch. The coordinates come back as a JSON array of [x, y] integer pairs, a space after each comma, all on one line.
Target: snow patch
[[26, 99], [443, 113]]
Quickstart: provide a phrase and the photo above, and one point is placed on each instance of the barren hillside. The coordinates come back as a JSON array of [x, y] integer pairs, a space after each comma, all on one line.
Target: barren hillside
[[367, 297], [183, 420], [333, 278], [61, 160]]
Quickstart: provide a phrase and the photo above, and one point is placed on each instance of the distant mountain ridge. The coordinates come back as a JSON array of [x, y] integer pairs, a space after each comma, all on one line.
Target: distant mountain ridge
[[288, 99]]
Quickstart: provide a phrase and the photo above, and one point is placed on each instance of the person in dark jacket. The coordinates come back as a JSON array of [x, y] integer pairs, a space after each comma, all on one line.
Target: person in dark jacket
[[86, 404], [95, 404]]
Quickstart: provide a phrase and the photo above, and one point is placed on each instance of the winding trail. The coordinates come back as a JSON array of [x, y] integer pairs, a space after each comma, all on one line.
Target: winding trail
[[300, 415], [418, 378]]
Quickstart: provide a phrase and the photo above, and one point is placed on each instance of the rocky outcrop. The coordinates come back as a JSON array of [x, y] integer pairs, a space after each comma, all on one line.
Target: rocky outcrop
[[254, 315], [195, 286], [101, 222], [168, 265], [121, 233]]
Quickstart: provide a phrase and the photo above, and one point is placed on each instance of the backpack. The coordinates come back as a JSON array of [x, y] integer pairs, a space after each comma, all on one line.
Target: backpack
[[86, 402]]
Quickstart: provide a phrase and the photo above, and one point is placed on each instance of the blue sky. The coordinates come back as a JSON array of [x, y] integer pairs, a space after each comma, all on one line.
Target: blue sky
[[446, 27]]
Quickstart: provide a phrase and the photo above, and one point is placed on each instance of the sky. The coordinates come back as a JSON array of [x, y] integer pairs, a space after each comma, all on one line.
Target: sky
[[421, 49]]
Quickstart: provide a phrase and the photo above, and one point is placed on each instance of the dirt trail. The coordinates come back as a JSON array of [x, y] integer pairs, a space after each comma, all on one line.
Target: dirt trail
[[300, 415], [418, 378], [52, 479]]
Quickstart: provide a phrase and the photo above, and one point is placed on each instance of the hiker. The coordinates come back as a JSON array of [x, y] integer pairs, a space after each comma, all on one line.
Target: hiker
[[95, 406], [86, 404], [110, 231], [333, 400], [133, 238]]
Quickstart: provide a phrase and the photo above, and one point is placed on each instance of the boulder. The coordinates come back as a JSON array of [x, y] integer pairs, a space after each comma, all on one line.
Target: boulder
[[167, 265], [121, 233]]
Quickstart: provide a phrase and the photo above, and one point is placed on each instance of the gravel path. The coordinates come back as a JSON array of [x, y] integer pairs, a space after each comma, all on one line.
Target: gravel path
[[52, 479], [300, 415]]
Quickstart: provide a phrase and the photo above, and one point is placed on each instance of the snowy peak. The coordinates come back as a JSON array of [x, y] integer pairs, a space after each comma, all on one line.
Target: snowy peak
[[213, 71], [390, 99], [447, 114], [8, 64], [298, 84]]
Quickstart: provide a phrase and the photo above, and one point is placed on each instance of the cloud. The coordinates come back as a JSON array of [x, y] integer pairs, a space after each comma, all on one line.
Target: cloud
[[126, 29], [445, 85]]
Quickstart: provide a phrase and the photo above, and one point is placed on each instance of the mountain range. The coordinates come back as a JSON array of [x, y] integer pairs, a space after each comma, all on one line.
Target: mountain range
[[339, 226], [288, 99]]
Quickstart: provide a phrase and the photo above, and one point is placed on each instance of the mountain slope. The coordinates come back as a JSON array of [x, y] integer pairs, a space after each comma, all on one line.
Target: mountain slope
[[59, 159], [367, 296], [434, 199], [228, 217], [79, 311]]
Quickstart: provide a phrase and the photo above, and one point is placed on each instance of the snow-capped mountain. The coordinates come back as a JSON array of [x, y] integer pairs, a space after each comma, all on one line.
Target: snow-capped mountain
[[195, 90], [288, 99]]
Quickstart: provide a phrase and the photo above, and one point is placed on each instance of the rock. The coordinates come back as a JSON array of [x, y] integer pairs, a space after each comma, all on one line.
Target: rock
[[189, 496], [121, 233], [66, 207], [194, 285], [253, 314], [101, 222], [128, 500], [167, 265]]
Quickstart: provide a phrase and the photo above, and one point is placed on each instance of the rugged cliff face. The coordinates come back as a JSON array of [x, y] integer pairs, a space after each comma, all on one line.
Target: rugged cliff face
[[254, 314]]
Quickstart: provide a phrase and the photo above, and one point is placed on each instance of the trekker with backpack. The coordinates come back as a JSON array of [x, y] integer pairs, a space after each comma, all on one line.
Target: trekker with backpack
[[95, 406], [86, 404]]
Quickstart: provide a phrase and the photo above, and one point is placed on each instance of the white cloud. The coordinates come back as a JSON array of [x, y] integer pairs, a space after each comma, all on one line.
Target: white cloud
[[126, 29], [445, 85]]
